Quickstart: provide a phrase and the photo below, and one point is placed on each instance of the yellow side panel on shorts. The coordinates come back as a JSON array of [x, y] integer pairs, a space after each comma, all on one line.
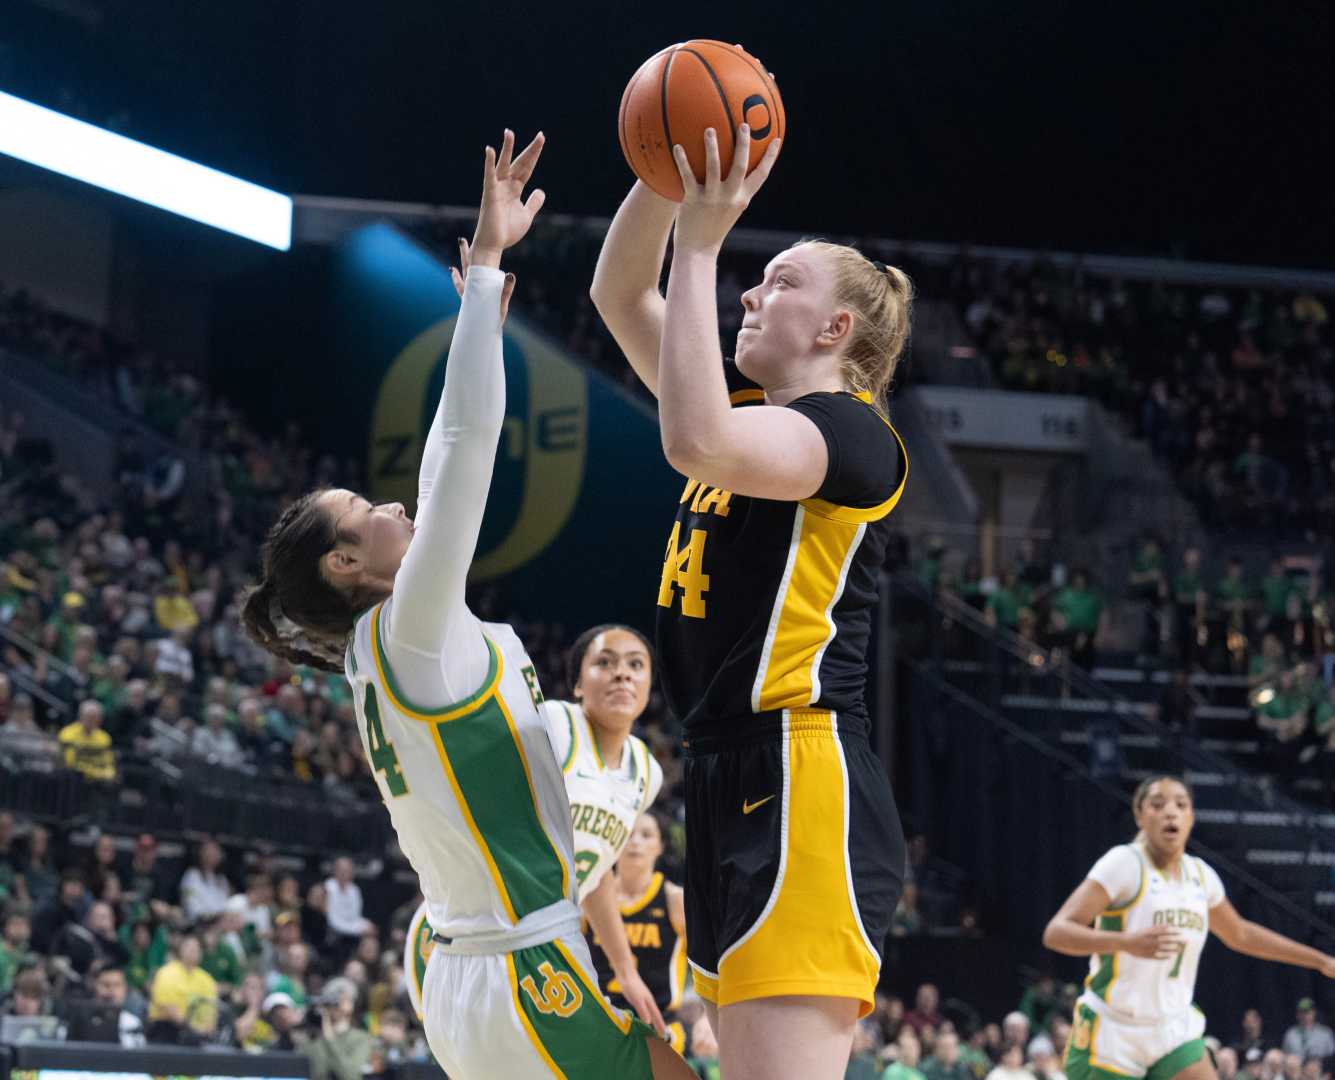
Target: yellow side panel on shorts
[[533, 1036], [810, 939]]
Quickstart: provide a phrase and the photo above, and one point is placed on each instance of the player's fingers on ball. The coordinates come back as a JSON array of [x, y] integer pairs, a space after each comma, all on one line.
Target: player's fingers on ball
[[713, 170], [741, 155], [684, 168]]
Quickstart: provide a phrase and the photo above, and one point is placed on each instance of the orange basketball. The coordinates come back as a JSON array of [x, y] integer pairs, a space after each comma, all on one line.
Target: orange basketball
[[686, 88]]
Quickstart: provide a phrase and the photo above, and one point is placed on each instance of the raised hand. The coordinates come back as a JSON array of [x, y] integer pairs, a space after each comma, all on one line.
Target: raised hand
[[459, 273], [710, 210], [505, 217]]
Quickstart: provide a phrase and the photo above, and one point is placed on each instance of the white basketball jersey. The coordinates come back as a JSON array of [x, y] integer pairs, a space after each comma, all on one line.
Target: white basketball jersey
[[472, 789], [605, 800], [1133, 989]]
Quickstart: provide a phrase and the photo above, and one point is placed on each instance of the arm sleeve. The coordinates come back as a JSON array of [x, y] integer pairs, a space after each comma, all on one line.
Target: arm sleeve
[[430, 635], [560, 730], [1214, 885], [864, 468], [1119, 873]]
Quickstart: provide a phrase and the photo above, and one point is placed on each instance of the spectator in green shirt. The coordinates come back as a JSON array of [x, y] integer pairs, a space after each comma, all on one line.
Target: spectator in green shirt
[[111, 688], [1148, 583], [945, 1062], [1040, 1001], [1281, 712], [1276, 587], [148, 949], [14, 951], [1006, 602], [220, 956], [908, 1052], [1189, 606], [1234, 595], [1267, 665], [1077, 610], [863, 1063], [343, 1049]]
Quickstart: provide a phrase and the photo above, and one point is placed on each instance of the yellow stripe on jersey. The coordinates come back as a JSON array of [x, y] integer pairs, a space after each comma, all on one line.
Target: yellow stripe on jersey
[[433, 716], [478, 839], [533, 793], [746, 396], [802, 626], [592, 736], [677, 971], [856, 515], [636, 906], [648, 773], [574, 739]]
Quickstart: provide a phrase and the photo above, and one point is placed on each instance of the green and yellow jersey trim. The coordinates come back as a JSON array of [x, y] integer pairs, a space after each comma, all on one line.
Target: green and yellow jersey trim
[[525, 879], [448, 712], [574, 739], [1101, 982]]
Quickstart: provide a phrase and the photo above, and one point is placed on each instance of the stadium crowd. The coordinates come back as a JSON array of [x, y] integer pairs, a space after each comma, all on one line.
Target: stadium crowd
[[1269, 626], [122, 645], [1234, 389]]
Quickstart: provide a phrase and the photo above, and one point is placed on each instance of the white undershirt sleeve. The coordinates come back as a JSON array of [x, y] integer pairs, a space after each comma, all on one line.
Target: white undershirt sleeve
[[559, 729], [435, 644]]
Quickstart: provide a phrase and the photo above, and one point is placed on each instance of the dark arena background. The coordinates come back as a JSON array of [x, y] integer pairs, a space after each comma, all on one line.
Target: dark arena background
[[1114, 558]]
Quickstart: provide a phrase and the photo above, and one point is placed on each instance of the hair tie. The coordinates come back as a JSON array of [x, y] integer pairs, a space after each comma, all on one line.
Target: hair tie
[[292, 635]]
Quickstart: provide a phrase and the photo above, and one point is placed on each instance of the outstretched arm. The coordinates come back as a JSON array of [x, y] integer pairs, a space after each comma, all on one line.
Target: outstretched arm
[[433, 448], [427, 616], [1252, 939]]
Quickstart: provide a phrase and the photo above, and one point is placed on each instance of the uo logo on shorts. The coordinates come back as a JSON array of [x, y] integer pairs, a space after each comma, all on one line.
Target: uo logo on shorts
[[539, 463], [560, 994]]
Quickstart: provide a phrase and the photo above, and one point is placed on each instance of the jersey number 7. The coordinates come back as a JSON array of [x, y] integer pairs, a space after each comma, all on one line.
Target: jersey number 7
[[683, 569]]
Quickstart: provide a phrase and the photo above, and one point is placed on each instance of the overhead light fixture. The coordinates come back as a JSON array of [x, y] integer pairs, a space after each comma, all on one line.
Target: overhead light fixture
[[54, 141]]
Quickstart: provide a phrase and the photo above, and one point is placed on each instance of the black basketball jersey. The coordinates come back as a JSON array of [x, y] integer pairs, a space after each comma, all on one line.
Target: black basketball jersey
[[660, 955], [766, 605]]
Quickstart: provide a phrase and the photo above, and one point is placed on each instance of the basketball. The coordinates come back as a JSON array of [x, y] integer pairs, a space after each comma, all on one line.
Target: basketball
[[681, 91]]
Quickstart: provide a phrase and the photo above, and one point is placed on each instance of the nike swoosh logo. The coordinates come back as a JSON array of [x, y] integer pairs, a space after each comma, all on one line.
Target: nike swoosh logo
[[747, 807]]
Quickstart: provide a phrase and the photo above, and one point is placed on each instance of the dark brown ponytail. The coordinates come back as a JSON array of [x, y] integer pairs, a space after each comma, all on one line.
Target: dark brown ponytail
[[294, 612]]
